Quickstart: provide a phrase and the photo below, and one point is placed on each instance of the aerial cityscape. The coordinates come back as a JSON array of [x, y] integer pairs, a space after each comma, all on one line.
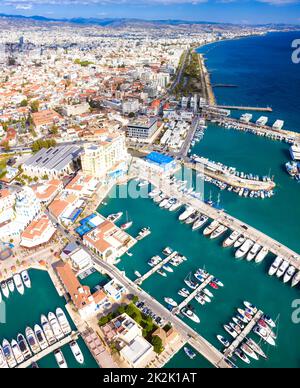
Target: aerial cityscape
[[149, 185]]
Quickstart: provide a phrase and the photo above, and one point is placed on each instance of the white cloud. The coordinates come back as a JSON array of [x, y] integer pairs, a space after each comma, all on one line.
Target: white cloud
[[279, 2]]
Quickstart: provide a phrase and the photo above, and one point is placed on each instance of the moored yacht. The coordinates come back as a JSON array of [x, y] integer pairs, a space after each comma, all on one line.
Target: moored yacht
[[265, 335], [249, 352], [184, 292], [253, 251], [242, 356], [48, 330], [19, 284], [17, 352], [213, 226], [115, 217], [5, 289], [289, 274], [186, 214], [171, 302], [262, 255], [230, 331], [254, 346], [11, 285], [274, 267], [32, 341], [40, 336], [24, 346], [251, 307], [200, 222], [8, 354], [190, 314], [239, 242], [193, 218], [60, 359], [168, 268], [190, 283], [55, 326], [269, 320], [63, 321], [283, 267], [244, 249], [77, 353], [231, 239], [189, 353], [176, 206], [3, 362], [26, 279], [218, 232], [296, 279], [223, 341]]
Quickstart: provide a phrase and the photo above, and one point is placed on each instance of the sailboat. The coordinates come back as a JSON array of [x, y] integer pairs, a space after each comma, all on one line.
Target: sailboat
[[128, 224]]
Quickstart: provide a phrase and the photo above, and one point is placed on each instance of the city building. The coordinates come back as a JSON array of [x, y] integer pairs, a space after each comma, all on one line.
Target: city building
[[45, 118], [75, 109], [38, 232], [84, 185], [142, 128], [115, 290]]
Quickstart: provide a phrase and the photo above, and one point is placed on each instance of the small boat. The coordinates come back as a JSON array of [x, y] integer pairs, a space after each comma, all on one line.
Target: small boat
[[263, 333], [168, 268], [55, 326], [208, 293], [206, 298], [218, 282], [19, 284], [26, 279], [187, 213], [239, 242], [77, 353], [164, 203], [48, 330], [3, 362], [223, 341], [242, 356], [5, 289], [254, 346], [24, 346], [230, 331], [243, 313], [167, 251], [161, 273], [249, 352], [269, 320], [214, 285], [244, 249], [11, 285], [296, 279], [199, 223], [127, 225], [60, 359], [230, 363], [199, 298], [242, 318], [32, 341], [63, 321], [17, 352], [261, 255], [114, 217], [190, 283], [171, 302], [231, 239], [213, 226], [189, 353], [40, 336], [176, 206], [289, 274], [236, 328], [238, 322], [218, 232], [274, 267], [283, 267], [193, 218], [8, 354], [138, 274], [254, 251], [251, 307], [190, 314], [184, 292]]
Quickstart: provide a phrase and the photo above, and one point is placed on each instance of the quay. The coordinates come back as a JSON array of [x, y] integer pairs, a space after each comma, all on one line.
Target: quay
[[215, 171], [50, 349], [193, 294], [153, 270], [251, 108], [236, 343], [229, 221]]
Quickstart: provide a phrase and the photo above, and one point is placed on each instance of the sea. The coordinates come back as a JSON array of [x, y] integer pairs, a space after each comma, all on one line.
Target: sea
[[264, 74]]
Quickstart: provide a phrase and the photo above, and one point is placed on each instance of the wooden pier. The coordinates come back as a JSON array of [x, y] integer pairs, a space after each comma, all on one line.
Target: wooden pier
[[193, 294], [250, 108], [50, 349], [237, 342], [153, 270]]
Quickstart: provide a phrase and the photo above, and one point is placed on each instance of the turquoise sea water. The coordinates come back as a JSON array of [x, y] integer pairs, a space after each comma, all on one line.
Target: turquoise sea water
[[26, 310], [262, 69]]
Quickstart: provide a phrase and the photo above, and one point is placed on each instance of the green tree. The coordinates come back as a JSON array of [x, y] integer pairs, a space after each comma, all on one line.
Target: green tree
[[35, 106], [157, 344], [24, 103], [6, 146]]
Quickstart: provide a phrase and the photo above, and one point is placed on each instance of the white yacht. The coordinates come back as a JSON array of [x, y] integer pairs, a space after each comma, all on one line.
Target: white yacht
[[213, 226], [77, 352], [289, 274], [186, 214], [253, 252], [8, 354], [262, 121], [17, 352], [231, 239], [48, 330], [32, 341], [26, 279], [55, 326], [11, 285], [283, 267], [19, 284], [261, 255], [5, 289], [164, 203], [24, 347], [171, 302], [274, 267], [60, 359], [200, 222], [3, 362], [176, 206], [244, 249], [40, 336], [239, 242], [296, 279], [190, 314], [218, 232], [63, 321], [265, 335]]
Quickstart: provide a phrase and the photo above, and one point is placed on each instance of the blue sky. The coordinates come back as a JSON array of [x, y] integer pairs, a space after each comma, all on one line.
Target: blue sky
[[234, 11]]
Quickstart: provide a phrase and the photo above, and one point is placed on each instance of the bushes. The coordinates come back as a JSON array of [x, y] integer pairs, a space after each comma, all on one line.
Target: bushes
[[157, 344], [39, 144]]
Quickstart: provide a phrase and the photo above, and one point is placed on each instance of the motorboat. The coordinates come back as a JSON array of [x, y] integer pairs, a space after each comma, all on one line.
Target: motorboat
[[40, 336], [26, 279], [230, 363], [190, 314], [8, 354], [19, 284], [171, 302], [251, 307], [32, 341], [214, 285], [296, 279], [254, 251], [244, 314], [230, 331], [205, 297], [276, 264], [23, 345], [193, 218], [199, 298], [161, 273], [189, 353], [167, 251], [223, 341], [249, 352], [63, 321], [263, 324], [218, 282], [218, 232], [242, 356], [199, 223], [239, 242], [48, 330], [184, 292], [269, 320], [208, 293], [176, 206], [186, 214], [17, 352], [242, 318], [77, 353], [127, 225], [265, 335], [11, 285], [164, 203], [138, 274], [238, 322], [55, 326], [5, 289], [213, 226], [115, 217], [289, 274], [283, 267], [190, 283], [60, 359], [3, 362], [254, 346], [261, 255], [236, 328], [244, 249], [231, 239]]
